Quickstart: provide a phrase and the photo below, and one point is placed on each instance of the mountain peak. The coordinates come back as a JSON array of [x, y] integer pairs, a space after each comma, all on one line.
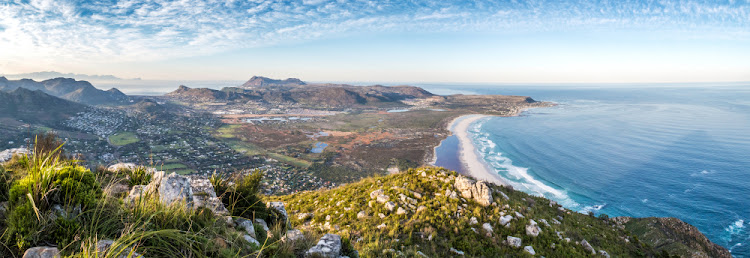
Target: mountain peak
[[260, 81]]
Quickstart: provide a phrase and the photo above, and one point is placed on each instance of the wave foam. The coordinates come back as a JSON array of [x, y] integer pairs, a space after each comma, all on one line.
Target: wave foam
[[516, 176], [593, 208]]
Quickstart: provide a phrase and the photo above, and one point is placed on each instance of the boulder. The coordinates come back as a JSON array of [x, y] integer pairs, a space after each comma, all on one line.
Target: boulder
[[8, 154], [505, 196], [504, 220], [464, 186], [532, 229], [482, 193], [376, 193], [251, 240], [488, 228], [175, 188], [514, 241], [328, 246], [473, 221], [456, 252], [529, 250], [42, 252], [246, 225], [279, 207], [400, 211], [262, 223], [205, 196], [390, 206], [304, 216], [603, 253], [588, 247], [121, 166], [361, 214], [293, 235], [383, 198], [421, 208]]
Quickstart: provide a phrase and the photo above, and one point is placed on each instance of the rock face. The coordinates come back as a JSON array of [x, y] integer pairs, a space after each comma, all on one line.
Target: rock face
[[514, 241], [674, 235], [175, 188], [247, 225], [42, 252], [121, 166], [193, 192], [478, 191], [328, 246]]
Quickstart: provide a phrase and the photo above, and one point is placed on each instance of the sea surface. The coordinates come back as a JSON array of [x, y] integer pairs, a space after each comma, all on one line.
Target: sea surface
[[626, 150]]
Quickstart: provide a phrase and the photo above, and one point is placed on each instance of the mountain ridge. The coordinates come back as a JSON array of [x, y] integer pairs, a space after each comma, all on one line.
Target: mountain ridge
[[70, 89]]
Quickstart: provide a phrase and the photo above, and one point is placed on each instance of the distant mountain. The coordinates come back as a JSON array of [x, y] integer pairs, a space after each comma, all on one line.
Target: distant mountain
[[36, 106], [297, 91], [259, 81], [52, 74], [70, 89]]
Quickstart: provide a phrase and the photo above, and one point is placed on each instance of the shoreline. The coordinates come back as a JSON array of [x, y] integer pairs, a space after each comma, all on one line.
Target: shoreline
[[468, 156]]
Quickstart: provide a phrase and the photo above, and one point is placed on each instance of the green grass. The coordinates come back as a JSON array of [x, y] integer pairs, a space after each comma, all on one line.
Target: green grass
[[184, 171], [289, 160], [123, 138], [172, 166], [227, 131]]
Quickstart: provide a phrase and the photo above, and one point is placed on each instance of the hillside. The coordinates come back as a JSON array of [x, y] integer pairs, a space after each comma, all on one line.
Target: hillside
[[295, 91], [36, 106], [435, 212], [70, 89]]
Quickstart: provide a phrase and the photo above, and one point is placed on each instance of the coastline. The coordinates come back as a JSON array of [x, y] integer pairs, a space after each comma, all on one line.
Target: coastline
[[468, 156]]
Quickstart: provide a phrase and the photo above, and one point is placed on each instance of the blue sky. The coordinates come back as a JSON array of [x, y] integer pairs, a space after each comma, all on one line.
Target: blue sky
[[384, 41]]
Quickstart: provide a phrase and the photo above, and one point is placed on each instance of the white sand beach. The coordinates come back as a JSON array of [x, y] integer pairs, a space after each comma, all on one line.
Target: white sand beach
[[471, 160]]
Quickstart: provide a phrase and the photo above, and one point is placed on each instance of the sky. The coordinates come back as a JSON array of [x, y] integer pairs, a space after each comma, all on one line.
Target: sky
[[421, 41]]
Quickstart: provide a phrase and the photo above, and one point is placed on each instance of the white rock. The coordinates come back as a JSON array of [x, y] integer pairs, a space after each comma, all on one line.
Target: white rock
[[246, 225], [262, 223], [529, 249], [488, 228], [514, 241], [390, 206], [381, 226], [421, 208], [293, 235], [252, 240], [279, 208], [383, 198], [603, 253], [400, 211], [532, 229], [328, 246], [588, 246], [361, 214], [42, 252], [504, 220], [473, 221], [457, 252]]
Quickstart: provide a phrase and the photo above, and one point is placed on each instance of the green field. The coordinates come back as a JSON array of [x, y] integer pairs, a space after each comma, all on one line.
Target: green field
[[172, 166], [227, 131], [123, 138], [289, 160]]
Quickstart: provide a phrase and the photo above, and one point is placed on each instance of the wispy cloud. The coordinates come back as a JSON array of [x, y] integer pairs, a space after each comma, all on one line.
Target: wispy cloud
[[130, 30]]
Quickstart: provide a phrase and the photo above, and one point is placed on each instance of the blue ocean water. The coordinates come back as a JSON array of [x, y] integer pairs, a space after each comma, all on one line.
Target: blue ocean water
[[666, 150]]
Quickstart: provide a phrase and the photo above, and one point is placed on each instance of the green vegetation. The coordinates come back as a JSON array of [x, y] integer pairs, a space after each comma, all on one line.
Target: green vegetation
[[227, 131], [444, 222], [241, 197], [123, 138]]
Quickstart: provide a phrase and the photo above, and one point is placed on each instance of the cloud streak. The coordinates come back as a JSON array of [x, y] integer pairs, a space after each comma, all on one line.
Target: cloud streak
[[143, 30]]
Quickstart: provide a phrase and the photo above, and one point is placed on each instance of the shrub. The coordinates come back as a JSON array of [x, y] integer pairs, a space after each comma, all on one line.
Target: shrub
[[241, 198], [138, 176]]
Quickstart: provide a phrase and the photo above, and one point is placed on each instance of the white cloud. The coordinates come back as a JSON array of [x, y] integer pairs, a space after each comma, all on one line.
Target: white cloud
[[58, 31]]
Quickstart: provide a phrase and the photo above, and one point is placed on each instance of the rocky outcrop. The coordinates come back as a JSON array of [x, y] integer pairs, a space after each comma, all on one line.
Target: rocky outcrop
[[293, 235], [42, 252], [193, 192], [328, 246], [8, 154], [479, 191], [587, 246], [279, 208], [673, 235], [104, 249], [246, 225]]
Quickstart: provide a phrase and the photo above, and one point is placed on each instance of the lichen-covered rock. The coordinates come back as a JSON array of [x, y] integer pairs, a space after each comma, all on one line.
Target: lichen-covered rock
[[383, 198], [42, 252], [532, 229], [279, 207], [204, 196], [328, 246], [175, 188], [473, 221], [305, 216], [464, 186], [400, 211], [482, 193], [421, 208], [514, 241]]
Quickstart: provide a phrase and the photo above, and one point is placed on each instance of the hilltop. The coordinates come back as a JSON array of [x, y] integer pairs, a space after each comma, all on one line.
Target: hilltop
[[435, 212], [37, 106], [70, 89]]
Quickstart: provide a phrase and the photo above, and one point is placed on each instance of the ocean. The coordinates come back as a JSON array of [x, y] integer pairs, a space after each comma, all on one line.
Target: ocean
[[626, 150]]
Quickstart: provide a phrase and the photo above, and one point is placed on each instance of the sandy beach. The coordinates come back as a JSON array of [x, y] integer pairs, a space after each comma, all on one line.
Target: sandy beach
[[471, 160]]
